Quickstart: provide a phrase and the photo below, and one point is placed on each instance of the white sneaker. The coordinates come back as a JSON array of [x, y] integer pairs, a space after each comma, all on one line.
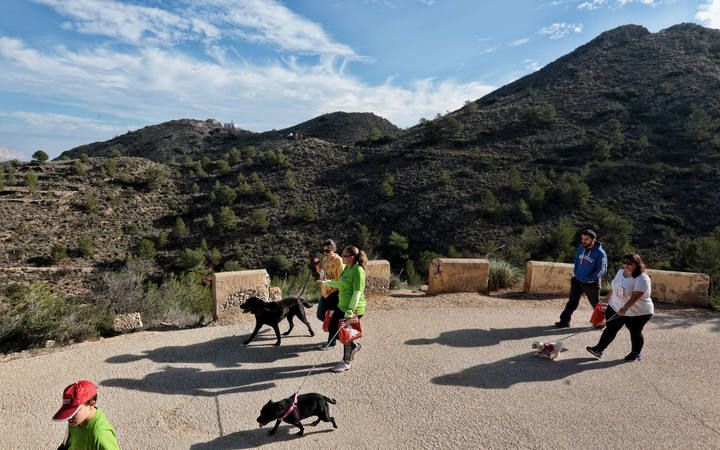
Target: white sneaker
[[342, 367]]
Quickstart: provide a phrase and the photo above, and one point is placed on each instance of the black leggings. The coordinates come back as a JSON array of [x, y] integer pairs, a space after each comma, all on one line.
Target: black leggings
[[337, 316], [633, 323]]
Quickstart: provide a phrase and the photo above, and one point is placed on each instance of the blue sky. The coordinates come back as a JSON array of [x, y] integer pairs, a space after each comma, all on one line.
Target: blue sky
[[77, 71]]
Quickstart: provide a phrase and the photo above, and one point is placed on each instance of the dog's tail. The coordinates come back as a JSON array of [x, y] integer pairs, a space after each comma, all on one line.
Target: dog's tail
[[305, 303], [332, 401]]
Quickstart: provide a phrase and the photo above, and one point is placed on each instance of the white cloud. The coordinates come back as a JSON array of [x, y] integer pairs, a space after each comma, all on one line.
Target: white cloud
[[709, 13], [7, 153], [156, 84], [518, 42], [488, 50], [427, 2], [561, 30], [52, 124], [596, 4], [260, 21], [532, 65], [592, 4]]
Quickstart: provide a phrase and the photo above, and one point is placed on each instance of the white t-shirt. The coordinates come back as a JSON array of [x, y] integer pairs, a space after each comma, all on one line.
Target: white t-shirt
[[623, 288]]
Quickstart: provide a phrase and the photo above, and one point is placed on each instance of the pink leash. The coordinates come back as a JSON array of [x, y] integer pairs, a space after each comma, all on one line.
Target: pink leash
[[293, 407]]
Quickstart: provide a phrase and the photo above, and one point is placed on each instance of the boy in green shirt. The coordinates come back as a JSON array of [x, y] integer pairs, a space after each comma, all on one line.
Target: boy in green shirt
[[88, 428]]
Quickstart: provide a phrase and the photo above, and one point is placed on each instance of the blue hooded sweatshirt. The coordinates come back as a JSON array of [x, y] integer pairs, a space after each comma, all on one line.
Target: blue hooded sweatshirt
[[590, 265]]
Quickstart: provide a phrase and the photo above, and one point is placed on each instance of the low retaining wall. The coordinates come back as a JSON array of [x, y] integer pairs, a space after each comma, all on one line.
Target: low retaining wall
[[377, 277], [231, 289], [681, 288], [458, 275]]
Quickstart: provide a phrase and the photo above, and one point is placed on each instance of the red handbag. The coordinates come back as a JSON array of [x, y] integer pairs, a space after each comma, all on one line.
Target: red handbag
[[326, 321], [350, 330], [598, 315]]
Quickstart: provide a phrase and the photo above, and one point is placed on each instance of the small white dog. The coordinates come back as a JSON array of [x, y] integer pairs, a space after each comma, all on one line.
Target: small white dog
[[549, 350]]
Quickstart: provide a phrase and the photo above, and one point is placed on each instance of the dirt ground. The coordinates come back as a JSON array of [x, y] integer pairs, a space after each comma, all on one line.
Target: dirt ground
[[451, 371]]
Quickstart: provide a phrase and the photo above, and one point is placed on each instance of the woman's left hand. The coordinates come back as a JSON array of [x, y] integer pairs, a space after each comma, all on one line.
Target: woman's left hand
[[319, 282]]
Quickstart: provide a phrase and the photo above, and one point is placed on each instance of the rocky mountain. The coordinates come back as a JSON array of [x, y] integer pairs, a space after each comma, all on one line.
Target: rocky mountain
[[620, 134]]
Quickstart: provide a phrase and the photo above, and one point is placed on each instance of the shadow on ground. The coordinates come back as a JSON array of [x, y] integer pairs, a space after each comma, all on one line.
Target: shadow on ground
[[682, 317], [222, 352], [197, 382], [256, 438], [524, 368], [476, 337]]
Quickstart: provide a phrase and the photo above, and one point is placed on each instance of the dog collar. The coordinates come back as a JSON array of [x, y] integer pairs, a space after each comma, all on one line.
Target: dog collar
[[293, 407]]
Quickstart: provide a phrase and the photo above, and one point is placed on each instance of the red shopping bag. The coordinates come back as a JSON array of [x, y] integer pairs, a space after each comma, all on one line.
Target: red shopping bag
[[350, 330], [598, 315], [326, 321]]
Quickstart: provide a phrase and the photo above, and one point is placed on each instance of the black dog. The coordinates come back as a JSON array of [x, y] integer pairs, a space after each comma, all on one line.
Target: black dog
[[271, 313], [308, 405]]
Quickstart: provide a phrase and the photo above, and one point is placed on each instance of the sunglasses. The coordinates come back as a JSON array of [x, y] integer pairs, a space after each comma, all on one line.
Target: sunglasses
[[326, 250], [628, 263], [347, 256]]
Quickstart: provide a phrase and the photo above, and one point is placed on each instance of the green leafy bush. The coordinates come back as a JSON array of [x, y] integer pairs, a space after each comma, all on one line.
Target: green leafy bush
[[226, 219], [86, 246], [503, 275], [31, 180], [58, 253], [146, 249]]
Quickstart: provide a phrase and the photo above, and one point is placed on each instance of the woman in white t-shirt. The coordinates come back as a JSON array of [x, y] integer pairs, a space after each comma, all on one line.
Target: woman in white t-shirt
[[630, 305]]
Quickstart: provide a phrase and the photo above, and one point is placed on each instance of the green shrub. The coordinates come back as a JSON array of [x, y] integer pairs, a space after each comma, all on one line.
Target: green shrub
[[115, 153], [190, 259], [560, 241], [79, 168], [180, 230], [514, 180], [90, 202], [36, 314], [361, 236], [162, 239], [231, 266], [180, 299], [278, 264], [210, 221], [223, 167], [272, 197], [31, 180], [502, 275], [309, 213], [386, 187], [616, 232], [215, 257], [146, 249], [153, 178], [40, 156], [58, 253], [426, 258], [398, 245], [536, 197], [110, 167], [445, 178], [290, 179], [224, 195], [524, 212], [489, 205], [84, 157], [227, 220], [258, 220], [571, 191], [86, 246]]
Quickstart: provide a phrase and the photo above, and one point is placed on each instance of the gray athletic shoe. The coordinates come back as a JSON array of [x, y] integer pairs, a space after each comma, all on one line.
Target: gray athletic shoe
[[354, 351], [342, 367]]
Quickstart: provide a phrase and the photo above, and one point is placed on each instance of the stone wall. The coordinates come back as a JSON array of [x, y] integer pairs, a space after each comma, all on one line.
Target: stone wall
[[231, 289], [682, 288], [377, 277], [458, 275]]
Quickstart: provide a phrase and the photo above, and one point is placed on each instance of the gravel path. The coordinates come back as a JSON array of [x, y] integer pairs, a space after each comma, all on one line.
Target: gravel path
[[435, 372]]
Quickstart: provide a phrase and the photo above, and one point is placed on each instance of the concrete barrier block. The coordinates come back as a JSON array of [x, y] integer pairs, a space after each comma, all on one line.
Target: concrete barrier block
[[231, 289], [681, 288], [458, 275], [547, 277], [377, 277]]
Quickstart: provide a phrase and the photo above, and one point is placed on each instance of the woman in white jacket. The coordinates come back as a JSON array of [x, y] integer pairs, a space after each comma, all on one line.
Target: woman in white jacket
[[630, 305]]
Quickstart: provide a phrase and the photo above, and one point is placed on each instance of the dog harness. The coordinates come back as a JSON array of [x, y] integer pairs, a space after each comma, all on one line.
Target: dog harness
[[293, 407]]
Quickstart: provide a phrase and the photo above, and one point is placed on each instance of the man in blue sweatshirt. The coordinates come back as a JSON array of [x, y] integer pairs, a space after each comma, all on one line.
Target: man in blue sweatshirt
[[590, 266]]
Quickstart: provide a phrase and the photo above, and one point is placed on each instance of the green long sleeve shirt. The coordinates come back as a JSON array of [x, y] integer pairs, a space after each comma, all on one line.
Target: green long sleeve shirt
[[351, 286]]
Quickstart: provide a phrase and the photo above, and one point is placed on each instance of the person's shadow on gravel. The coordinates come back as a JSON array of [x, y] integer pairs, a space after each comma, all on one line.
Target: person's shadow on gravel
[[476, 337], [524, 368], [222, 352], [255, 438], [197, 382]]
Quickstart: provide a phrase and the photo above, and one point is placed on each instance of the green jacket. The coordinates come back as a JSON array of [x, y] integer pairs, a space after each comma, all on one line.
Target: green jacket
[[351, 285]]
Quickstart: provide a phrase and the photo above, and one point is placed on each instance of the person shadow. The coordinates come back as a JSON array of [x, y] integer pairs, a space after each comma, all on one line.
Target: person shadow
[[524, 368], [476, 337], [193, 381], [222, 352], [257, 437]]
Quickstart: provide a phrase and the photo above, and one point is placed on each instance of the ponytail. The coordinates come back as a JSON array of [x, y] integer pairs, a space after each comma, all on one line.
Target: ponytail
[[359, 256]]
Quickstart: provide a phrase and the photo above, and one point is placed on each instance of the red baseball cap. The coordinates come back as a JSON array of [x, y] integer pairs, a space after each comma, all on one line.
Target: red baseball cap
[[74, 396]]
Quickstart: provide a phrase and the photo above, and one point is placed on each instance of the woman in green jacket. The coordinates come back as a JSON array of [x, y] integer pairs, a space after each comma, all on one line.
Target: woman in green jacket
[[351, 286]]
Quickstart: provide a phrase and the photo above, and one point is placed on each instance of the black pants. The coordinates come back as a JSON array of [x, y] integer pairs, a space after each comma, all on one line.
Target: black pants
[[337, 316], [633, 323], [591, 290], [327, 303]]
